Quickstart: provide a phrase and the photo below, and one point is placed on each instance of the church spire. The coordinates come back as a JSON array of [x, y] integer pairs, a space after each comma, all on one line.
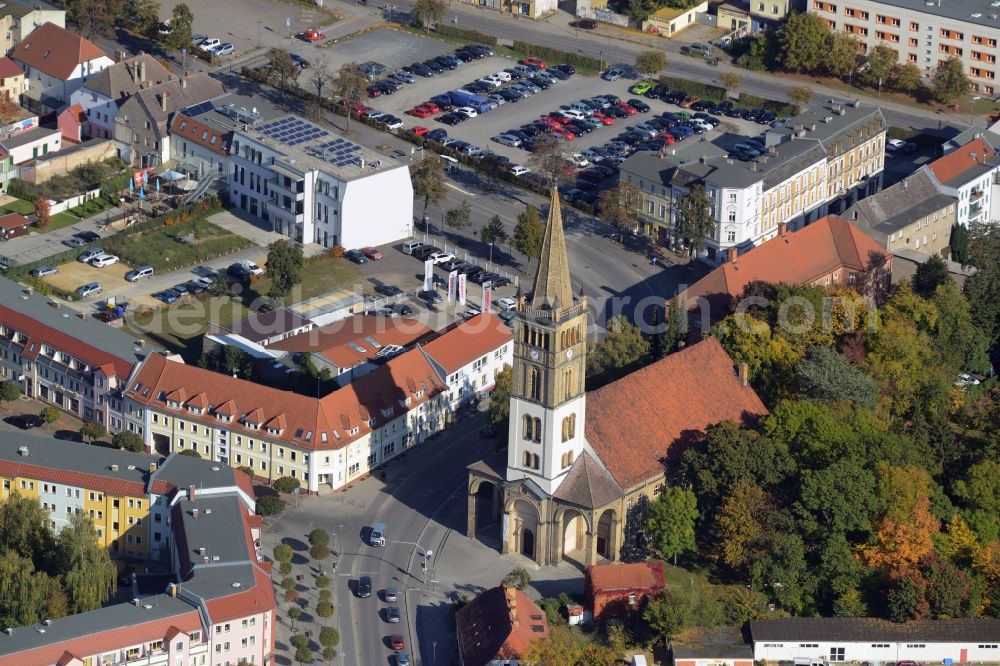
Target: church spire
[[552, 284]]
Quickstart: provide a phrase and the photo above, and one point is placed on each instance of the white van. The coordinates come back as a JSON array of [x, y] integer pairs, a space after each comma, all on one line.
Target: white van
[[377, 537], [410, 246]]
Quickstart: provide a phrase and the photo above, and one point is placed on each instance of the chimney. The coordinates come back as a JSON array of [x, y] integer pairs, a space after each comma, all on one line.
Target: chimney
[[812, 128], [141, 69], [905, 183], [172, 590], [191, 493], [704, 159], [184, 83], [163, 101], [733, 254], [23, 451], [152, 467], [114, 468], [135, 602], [195, 512], [782, 228], [841, 111], [753, 166], [744, 374]]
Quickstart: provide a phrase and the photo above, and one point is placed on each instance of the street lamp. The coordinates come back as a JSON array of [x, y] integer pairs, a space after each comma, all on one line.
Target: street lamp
[[972, 109]]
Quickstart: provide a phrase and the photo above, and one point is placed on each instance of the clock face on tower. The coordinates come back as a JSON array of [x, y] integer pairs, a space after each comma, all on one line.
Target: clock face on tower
[[534, 354], [569, 353]]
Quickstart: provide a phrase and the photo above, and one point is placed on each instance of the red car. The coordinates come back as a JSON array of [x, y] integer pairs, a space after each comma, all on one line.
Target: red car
[[374, 91], [431, 106], [313, 35], [563, 132], [607, 120], [627, 109], [687, 103], [538, 62], [420, 112], [420, 130], [371, 253], [669, 138], [356, 107], [396, 642]]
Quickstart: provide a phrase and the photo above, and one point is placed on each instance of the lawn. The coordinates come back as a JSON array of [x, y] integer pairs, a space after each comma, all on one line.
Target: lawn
[[18, 206], [320, 275], [169, 248]]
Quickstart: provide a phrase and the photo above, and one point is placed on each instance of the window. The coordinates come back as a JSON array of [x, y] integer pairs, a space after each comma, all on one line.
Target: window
[[530, 460], [569, 427], [915, 645], [569, 384], [567, 459], [534, 384], [880, 645], [836, 654], [532, 428]]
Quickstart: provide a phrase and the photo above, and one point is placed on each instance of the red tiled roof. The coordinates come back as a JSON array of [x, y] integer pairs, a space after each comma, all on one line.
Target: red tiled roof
[[75, 111], [334, 341], [256, 600], [459, 346], [244, 482], [799, 257], [106, 484], [55, 51], [498, 624], [633, 423], [13, 221], [960, 160], [38, 334], [201, 134], [9, 68], [621, 576]]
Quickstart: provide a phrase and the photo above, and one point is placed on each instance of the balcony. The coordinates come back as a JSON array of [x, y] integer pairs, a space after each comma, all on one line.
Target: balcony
[[976, 195]]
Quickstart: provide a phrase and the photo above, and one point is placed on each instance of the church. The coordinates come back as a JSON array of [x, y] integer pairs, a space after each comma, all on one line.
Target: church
[[580, 466]]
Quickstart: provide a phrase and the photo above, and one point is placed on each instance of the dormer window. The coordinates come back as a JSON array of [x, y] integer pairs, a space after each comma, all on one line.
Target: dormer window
[[354, 431], [371, 423], [274, 431], [387, 413]]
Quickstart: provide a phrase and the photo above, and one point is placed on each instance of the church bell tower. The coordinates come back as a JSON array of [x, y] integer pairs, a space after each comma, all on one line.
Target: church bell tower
[[548, 401]]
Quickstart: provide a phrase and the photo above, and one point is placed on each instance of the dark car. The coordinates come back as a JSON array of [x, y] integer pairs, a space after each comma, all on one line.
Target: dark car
[[357, 256], [430, 297], [753, 114], [721, 109], [436, 134], [238, 272], [509, 96], [657, 91], [422, 70], [703, 105], [392, 615], [299, 61], [477, 88], [541, 82], [24, 421], [445, 62], [450, 119], [638, 105], [675, 97], [767, 118], [87, 236], [424, 251], [735, 112], [465, 56], [374, 91], [558, 73], [565, 69], [584, 24], [433, 65], [364, 587], [388, 290], [616, 112]]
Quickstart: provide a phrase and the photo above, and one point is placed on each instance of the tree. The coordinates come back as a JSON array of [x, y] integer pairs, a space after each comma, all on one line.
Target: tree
[[929, 276], [804, 42], [618, 638], [493, 233], [91, 430], [321, 583], [618, 353], [43, 218], [739, 522], [48, 415], [528, 233], [283, 71], [836, 499], [320, 75], [324, 609], [191, 453], [293, 614], [284, 568], [283, 267], [843, 55], [668, 613], [329, 654], [22, 590], [144, 14], [518, 578], [286, 484], [671, 521], [427, 176], [675, 329], [269, 505], [695, 218], [329, 637], [287, 583], [960, 345], [460, 216], [621, 205], [978, 492], [648, 63], [350, 86], [427, 12], [905, 78], [730, 81], [548, 158], [879, 63], [181, 21], [319, 552], [958, 243], [800, 95], [319, 537], [9, 392], [291, 596], [9, 110], [303, 654], [282, 553], [760, 51], [949, 81], [824, 374], [983, 288], [499, 407], [88, 574], [129, 441], [96, 17]]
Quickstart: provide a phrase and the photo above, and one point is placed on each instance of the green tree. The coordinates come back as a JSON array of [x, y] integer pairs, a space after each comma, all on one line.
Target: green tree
[[779, 570], [620, 351], [620, 206], [518, 578], [24, 527], [929, 275], [319, 552], [87, 572], [91, 430], [191, 453], [760, 51], [299, 640], [983, 288], [671, 520], [730, 81], [879, 62], [181, 21], [319, 537], [324, 609], [843, 55], [695, 219], [428, 12], [321, 583], [427, 176], [618, 639], [905, 78], [95, 17], [303, 655], [293, 614], [978, 493], [329, 654], [960, 344], [145, 14], [949, 81], [850, 604], [668, 613], [48, 415], [269, 505], [739, 523], [493, 233], [528, 233], [287, 583], [460, 216], [958, 243], [9, 392], [350, 86], [283, 72], [499, 406], [282, 553], [129, 441], [286, 484], [22, 590], [804, 39], [674, 330], [329, 637], [283, 267], [648, 63], [824, 374], [837, 499]]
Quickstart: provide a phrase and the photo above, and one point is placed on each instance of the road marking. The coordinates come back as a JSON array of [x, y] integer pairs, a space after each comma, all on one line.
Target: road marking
[[456, 187]]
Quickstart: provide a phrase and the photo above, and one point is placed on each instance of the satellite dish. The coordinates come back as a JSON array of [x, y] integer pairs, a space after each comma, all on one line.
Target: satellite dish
[[255, 109]]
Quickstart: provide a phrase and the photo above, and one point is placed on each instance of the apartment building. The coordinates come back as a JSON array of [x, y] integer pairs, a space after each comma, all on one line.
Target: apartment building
[[19, 18], [102, 95], [970, 174], [195, 518], [925, 33], [470, 355], [316, 187], [12, 83], [824, 161], [82, 372]]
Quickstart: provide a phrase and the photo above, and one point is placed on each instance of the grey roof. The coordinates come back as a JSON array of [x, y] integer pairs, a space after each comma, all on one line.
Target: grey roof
[[24, 138], [22, 8], [828, 120], [73, 148], [588, 485], [898, 206], [871, 629], [56, 454], [185, 471], [971, 134], [722, 643], [109, 618], [86, 330], [957, 10], [213, 529], [264, 325], [215, 115], [122, 78], [147, 103]]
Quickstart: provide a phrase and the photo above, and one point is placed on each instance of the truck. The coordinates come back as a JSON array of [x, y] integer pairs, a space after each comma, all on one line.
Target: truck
[[466, 98]]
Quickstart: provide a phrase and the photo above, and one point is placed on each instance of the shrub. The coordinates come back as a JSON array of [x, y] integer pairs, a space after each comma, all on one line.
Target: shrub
[[284, 568], [299, 640], [286, 484], [322, 582], [783, 109], [694, 88], [49, 415], [473, 36], [557, 55], [325, 595], [319, 537], [319, 552], [288, 583], [190, 453], [324, 609], [269, 505], [329, 637]]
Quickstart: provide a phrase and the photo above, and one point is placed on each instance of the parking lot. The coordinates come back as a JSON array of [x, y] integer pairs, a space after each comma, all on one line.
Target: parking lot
[[74, 274]]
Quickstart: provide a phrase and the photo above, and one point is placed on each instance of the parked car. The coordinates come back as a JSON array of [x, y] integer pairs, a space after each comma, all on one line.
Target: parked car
[[584, 24], [357, 256], [506, 303], [74, 241], [87, 255], [440, 257], [225, 49], [313, 35], [168, 296], [103, 260], [44, 271], [209, 43], [613, 74], [238, 272], [396, 642], [388, 290], [139, 273], [392, 615], [252, 267], [364, 587], [430, 297]]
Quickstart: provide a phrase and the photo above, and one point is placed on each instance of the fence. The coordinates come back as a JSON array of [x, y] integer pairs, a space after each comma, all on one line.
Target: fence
[[73, 202]]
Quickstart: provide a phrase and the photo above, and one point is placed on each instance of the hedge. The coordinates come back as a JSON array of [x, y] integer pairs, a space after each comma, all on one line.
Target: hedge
[[556, 55], [694, 88], [783, 109], [473, 36]]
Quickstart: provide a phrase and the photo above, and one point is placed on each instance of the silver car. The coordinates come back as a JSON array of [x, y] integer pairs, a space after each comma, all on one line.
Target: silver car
[[45, 271], [89, 289], [90, 254]]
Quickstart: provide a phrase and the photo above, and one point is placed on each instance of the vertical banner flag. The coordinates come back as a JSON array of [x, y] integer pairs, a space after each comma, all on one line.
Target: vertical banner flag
[[487, 296], [428, 275], [461, 289], [452, 285]]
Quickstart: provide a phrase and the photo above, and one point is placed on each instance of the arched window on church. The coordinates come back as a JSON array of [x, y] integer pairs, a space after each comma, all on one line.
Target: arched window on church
[[534, 384], [569, 389], [567, 459], [532, 428], [568, 427], [526, 459]]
